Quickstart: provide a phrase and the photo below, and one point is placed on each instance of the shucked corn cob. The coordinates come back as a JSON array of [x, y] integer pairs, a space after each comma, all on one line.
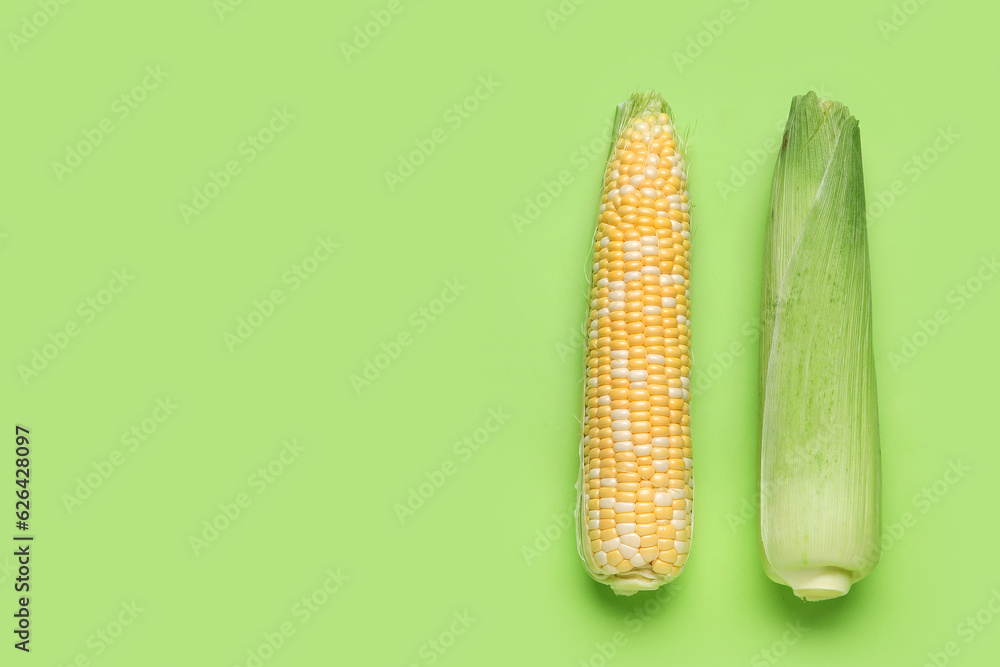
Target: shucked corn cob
[[636, 488]]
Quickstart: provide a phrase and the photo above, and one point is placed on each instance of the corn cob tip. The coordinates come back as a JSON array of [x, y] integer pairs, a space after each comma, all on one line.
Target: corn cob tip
[[819, 583]]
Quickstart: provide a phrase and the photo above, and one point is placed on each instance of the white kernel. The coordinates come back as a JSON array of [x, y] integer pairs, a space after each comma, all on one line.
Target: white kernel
[[649, 251], [632, 256], [662, 499], [649, 240], [668, 302], [593, 524], [638, 375], [619, 354], [621, 445], [677, 494], [687, 462], [649, 271], [612, 194], [595, 473], [636, 180], [601, 558], [678, 279], [626, 190], [603, 282], [631, 245], [681, 319], [637, 560], [607, 503], [656, 359], [602, 312], [616, 295], [685, 207], [661, 441], [676, 226], [661, 465], [631, 276], [616, 285], [686, 234], [620, 425], [674, 392], [640, 126], [651, 310], [627, 551], [610, 569], [653, 159], [665, 280], [592, 334], [610, 545], [680, 514], [604, 400], [620, 436], [649, 192], [624, 507], [679, 524], [619, 373], [594, 514], [609, 481], [625, 528], [685, 382], [591, 382], [620, 413], [641, 384], [642, 450], [682, 547], [619, 363]]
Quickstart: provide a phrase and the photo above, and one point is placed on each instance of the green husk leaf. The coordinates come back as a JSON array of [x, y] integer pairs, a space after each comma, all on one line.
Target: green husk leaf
[[820, 464]]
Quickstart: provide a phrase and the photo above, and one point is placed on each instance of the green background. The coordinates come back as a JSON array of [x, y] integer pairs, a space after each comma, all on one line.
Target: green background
[[490, 545]]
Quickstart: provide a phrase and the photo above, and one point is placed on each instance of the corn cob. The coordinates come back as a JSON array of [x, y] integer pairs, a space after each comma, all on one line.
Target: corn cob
[[636, 488], [820, 517]]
